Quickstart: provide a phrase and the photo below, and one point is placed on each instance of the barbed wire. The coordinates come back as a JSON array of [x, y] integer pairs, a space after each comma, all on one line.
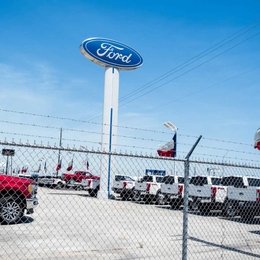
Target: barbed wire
[[122, 136], [225, 159], [126, 127], [117, 145]]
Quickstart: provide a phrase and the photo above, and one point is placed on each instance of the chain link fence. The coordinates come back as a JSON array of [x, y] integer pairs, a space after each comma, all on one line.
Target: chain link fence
[[132, 210]]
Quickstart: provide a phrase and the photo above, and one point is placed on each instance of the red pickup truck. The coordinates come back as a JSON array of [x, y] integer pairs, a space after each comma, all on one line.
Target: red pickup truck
[[78, 176], [16, 196]]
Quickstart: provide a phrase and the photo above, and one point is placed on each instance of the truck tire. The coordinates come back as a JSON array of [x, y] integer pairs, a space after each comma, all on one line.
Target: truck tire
[[11, 210], [204, 208], [124, 195], [137, 196], [79, 187], [59, 186], [148, 199], [71, 182], [159, 200], [230, 209], [175, 203], [247, 215], [93, 192]]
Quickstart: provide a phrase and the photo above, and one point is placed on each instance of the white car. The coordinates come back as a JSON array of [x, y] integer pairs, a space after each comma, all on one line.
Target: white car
[[148, 188], [124, 185], [51, 181]]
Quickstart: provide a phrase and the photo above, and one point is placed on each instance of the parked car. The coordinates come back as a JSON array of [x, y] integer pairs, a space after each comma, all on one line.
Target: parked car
[[33, 176], [124, 185], [51, 181], [148, 188], [204, 193], [243, 196], [16, 195], [78, 176], [172, 191], [91, 185]]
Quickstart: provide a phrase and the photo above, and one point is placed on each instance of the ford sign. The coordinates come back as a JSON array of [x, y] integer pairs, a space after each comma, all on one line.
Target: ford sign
[[110, 53]]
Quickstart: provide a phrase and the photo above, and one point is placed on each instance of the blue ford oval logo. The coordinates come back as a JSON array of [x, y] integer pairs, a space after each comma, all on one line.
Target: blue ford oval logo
[[107, 52]]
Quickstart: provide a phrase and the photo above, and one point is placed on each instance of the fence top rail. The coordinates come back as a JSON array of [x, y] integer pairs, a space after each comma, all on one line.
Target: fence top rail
[[126, 154]]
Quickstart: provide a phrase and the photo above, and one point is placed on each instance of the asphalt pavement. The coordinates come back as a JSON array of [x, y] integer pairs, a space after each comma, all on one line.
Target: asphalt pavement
[[69, 224]]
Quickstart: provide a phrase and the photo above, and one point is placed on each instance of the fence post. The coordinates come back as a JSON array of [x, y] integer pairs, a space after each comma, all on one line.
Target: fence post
[[186, 201]]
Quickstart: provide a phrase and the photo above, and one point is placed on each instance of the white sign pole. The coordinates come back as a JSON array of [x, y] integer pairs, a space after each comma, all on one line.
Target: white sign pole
[[109, 129]]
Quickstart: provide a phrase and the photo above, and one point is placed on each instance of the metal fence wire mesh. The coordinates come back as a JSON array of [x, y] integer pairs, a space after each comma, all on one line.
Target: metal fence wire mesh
[[62, 209]]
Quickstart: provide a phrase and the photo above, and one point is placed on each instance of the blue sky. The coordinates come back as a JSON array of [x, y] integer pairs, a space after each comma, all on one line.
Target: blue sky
[[208, 52]]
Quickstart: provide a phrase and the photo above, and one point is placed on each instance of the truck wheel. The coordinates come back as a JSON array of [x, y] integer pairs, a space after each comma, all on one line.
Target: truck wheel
[[148, 199], [11, 210], [160, 199], [230, 209], [175, 203], [137, 196], [123, 195], [71, 182], [59, 185], [247, 215], [204, 208], [79, 187], [93, 193]]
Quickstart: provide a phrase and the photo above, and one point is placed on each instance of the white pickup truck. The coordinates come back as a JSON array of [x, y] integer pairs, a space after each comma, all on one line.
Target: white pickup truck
[[92, 185], [243, 196], [124, 185], [172, 191], [51, 181], [205, 193], [148, 188]]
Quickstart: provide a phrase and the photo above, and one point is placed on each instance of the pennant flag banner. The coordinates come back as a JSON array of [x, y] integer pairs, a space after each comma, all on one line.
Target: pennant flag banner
[[58, 166], [70, 166], [257, 139], [45, 166], [39, 169], [24, 169]]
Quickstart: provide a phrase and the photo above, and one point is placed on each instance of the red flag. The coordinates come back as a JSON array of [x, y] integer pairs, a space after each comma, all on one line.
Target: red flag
[[58, 166], [24, 169], [257, 139], [45, 167], [70, 166]]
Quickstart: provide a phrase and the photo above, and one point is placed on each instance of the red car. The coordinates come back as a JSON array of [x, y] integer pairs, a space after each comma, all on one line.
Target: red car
[[16, 196], [78, 176]]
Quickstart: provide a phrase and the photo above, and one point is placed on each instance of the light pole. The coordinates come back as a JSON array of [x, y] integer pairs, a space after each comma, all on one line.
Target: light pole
[[223, 160]]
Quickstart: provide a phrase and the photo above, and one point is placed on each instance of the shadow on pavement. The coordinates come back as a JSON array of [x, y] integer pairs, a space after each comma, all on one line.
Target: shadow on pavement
[[224, 247]]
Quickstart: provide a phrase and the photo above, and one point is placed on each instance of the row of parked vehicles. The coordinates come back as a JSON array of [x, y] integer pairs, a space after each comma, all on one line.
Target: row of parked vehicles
[[18, 194], [78, 180], [233, 195]]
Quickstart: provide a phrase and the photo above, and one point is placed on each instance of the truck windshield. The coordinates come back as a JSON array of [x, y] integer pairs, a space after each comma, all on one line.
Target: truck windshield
[[198, 181], [254, 182], [123, 178], [180, 179], [168, 179], [216, 181], [147, 178], [232, 181], [159, 179]]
